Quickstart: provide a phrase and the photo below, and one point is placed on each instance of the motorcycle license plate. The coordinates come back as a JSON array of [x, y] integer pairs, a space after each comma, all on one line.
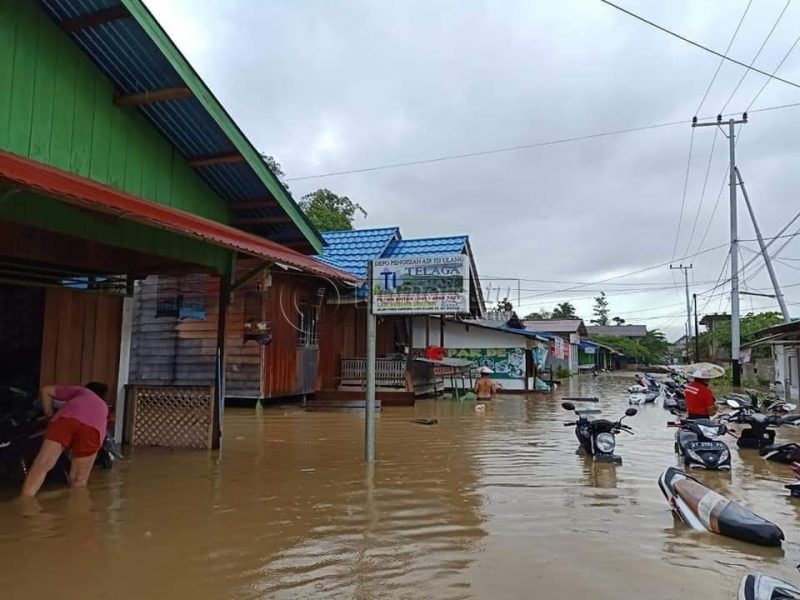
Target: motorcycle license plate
[[706, 446]]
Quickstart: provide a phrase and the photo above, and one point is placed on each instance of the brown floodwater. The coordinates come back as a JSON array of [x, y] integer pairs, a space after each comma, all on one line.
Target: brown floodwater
[[491, 504]]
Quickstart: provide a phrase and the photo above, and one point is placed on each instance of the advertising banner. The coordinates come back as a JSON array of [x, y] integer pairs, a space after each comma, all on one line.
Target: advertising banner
[[506, 363], [421, 285]]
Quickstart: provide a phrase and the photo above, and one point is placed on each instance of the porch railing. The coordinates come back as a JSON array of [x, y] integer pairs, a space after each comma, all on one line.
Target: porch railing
[[389, 372]]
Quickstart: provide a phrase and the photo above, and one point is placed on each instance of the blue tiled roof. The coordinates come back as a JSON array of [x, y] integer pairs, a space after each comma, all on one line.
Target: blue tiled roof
[[443, 245], [350, 250]]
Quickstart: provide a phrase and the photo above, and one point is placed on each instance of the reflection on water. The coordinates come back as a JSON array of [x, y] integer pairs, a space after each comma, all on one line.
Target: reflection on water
[[494, 504]]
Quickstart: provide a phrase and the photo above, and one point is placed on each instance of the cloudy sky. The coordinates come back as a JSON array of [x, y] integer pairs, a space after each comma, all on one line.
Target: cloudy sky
[[331, 86]]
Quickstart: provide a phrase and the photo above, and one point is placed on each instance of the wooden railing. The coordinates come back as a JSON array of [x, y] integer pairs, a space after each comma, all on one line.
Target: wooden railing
[[389, 372]]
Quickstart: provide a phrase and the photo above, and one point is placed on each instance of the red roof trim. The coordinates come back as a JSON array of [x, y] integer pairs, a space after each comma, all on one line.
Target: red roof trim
[[86, 193]]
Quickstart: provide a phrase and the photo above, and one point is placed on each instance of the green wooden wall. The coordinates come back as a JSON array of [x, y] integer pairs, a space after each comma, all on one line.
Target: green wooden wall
[[57, 108]]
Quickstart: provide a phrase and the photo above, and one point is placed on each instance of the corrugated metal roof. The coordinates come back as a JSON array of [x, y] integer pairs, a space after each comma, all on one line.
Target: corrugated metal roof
[[557, 326], [631, 331], [351, 250], [90, 194], [421, 247], [127, 44]]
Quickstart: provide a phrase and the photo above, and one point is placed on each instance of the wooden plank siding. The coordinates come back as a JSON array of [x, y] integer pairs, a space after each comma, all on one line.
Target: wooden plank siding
[[81, 338], [167, 351], [343, 335], [57, 108]]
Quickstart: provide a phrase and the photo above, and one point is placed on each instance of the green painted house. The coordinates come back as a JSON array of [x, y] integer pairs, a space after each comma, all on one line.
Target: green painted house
[[116, 163]]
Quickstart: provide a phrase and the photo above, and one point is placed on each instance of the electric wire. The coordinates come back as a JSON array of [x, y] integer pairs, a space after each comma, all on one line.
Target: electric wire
[[698, 45], [722, 60], [775, 70], [683, 194], [758, 53]]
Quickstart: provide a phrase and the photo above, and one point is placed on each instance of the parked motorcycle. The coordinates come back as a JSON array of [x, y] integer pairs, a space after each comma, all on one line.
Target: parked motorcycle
[[788, 453], [597, 436], [794, 488], [758, 586], [706, 510], [21, 438], [674, 398], [697, 442]]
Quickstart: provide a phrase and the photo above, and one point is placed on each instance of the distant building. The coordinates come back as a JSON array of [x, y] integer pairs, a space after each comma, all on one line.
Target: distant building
[[716, 352], [633, 332], [566, 335], [785, 342]]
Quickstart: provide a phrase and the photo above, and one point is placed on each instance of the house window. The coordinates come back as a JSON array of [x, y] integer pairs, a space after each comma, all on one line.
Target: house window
[[182, 297], [308, 326]]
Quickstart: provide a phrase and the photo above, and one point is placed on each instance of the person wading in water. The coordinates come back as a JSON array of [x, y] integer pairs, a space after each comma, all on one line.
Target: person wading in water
[[79, 426], [700, 402], [485, 388]]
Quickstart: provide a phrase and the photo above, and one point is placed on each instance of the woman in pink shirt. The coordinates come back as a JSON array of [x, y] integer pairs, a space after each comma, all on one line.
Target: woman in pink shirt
[[79, 426]]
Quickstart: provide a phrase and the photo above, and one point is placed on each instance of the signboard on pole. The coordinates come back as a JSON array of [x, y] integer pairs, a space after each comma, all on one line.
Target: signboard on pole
[[421, 285]]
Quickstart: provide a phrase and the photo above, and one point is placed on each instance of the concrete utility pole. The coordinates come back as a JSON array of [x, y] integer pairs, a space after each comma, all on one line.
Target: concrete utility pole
[[369, 412], [736, 369], [688, 308], [767, 260]]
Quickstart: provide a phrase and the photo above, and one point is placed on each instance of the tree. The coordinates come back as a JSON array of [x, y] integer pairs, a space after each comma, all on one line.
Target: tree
[[655, 345], [505, 305], [329, 211], [618, 321], [275, 167], [540, 315], [565, 310], [749, 325], [600, 310]]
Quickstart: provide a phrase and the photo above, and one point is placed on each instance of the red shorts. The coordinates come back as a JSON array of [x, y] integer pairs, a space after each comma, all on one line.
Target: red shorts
[[74, 435]]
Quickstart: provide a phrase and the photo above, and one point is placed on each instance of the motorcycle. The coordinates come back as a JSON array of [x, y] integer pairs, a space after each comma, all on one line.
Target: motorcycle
[[760, 431], [787, 454], [794, 488], [753, 402], [674, 398], [597, 436], [21, 438], [697, 442], [704, 509], [646, 390], [757, 586]]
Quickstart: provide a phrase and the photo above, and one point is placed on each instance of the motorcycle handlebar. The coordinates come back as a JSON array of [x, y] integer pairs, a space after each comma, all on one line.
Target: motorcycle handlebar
[[569, 424]]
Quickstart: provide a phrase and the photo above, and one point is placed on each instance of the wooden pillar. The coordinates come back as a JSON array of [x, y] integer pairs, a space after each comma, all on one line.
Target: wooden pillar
[[427, 331], [219, 376], [441, 331]]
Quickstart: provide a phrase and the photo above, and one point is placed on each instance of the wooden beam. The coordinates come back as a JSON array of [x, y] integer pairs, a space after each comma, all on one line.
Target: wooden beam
[[254, 204], [153, 96], [220, 159], [261, 221], [96, 18]]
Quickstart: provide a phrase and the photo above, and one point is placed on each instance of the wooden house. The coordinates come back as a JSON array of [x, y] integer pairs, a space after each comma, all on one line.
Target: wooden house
[[117, 163]]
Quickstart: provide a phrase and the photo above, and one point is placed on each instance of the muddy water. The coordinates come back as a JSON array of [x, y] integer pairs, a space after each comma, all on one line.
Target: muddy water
[[482, 505]]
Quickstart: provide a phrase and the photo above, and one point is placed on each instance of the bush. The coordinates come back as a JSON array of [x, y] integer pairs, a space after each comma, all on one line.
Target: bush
[[562, 373]]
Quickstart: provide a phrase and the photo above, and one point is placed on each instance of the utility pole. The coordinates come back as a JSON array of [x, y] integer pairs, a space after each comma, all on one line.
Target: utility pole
[[736, 370], [369, 412], [767, 260], [696, 332], [688, 307]]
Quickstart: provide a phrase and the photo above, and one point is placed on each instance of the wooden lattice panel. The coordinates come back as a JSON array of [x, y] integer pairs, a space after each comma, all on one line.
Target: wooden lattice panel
[[172, 416]]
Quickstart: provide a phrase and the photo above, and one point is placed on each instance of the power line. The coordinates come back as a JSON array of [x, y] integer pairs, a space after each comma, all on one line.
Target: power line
[[764, 43], [722, 60], [553, 142], [683, 195], [698, 45], [775, 70], [703, 191]]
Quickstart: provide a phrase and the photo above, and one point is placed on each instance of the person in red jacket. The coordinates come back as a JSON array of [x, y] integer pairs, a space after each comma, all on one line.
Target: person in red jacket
[[700, 401]]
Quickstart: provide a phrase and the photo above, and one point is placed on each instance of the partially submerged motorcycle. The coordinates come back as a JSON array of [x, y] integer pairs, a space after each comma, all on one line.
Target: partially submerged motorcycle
[[597, 436]]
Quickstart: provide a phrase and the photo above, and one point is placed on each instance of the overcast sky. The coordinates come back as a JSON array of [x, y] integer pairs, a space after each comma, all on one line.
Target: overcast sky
[[330, 86]]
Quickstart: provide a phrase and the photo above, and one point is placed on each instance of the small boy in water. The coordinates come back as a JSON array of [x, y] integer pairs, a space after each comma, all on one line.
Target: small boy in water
[[485, 388]]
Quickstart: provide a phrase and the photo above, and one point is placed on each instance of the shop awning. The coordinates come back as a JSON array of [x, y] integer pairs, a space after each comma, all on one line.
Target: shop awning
[[18, 172]]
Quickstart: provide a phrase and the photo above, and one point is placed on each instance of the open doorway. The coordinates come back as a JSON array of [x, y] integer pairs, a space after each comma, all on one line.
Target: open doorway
[[21, 327]]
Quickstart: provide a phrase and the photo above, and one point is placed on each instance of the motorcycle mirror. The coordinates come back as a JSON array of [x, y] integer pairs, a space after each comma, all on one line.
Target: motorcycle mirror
[[567, 406], [631, 412]]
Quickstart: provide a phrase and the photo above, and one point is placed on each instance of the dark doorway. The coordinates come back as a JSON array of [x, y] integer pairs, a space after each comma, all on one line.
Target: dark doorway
[[21, 324]]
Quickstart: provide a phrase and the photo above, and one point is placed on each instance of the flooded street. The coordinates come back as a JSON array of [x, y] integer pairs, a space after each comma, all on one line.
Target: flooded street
[[493, 504]]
